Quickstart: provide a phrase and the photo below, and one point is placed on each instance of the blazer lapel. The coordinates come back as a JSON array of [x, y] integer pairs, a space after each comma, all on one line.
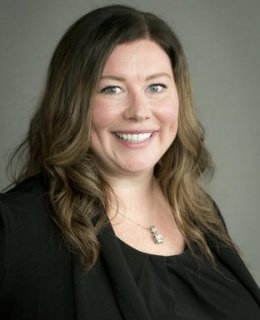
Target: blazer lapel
[[108, 291], [129, 298], [94, 298], [232, 260]]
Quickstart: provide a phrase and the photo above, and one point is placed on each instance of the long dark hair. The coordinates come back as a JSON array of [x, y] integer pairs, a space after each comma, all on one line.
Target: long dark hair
[[58, 140]]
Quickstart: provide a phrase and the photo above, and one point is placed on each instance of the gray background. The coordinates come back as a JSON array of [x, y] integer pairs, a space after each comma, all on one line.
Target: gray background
[[221, 40]]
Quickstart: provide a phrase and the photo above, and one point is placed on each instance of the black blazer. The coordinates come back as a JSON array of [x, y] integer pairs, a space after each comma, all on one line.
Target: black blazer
[[41, 279]]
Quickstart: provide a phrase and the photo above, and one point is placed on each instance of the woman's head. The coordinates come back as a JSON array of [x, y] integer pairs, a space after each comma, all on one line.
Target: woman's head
[[134, 109], [59, 138], [63, 120]]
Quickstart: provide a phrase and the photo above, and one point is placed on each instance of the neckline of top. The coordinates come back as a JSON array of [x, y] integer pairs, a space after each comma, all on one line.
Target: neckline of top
[[148, 254]]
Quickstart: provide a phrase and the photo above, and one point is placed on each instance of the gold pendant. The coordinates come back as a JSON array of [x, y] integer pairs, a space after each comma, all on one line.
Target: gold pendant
[[157, 237]]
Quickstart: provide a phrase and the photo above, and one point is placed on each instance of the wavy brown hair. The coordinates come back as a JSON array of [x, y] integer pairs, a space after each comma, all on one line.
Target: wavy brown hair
[[58, 141]]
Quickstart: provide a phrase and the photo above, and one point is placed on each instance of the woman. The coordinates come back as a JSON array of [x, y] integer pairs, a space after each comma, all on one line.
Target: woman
[[108, 218]]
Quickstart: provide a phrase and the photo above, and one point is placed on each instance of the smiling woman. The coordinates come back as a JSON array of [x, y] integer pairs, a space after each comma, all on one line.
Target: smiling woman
[[135, 110], [108, 217]]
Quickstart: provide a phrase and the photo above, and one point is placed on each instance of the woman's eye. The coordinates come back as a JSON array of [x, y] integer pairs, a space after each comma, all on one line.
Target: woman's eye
[[111, 90], [156, 87]]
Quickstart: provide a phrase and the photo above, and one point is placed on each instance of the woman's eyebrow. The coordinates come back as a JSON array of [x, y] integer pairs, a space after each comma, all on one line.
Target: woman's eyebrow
[[158, 75], [111, 77], [150, 77]]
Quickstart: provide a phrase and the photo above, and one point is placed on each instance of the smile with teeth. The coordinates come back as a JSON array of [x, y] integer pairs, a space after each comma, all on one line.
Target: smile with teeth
[[134, 137]]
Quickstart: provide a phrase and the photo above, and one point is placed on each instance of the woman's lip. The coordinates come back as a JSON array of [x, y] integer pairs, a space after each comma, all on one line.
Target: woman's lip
[[135, 131], [135, 140]]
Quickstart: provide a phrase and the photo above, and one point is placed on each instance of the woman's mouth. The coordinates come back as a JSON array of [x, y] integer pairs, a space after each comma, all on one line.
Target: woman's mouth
[[134, 137]]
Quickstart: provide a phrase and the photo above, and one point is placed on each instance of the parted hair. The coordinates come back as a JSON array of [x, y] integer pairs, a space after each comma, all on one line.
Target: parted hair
[[58, 140]]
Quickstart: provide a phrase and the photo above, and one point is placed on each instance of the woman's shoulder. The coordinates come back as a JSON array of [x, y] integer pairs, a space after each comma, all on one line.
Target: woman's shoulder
[[24, 195], [29, 239], [24, 208], [33, 184]]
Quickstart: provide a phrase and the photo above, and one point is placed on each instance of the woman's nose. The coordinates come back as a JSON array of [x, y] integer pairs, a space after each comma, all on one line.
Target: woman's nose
[[138, 107]]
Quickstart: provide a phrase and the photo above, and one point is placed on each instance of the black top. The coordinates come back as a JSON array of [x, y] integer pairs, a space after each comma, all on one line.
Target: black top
[[40, 279], [177, 287]]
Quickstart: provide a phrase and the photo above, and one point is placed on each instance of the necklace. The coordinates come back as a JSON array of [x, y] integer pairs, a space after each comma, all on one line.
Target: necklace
[[156, 236]]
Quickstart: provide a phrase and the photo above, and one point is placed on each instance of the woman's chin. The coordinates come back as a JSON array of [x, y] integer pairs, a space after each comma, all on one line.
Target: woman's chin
[[138, 168]]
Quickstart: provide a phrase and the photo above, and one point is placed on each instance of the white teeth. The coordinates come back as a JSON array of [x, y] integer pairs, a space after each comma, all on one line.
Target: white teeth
[[136, 137]]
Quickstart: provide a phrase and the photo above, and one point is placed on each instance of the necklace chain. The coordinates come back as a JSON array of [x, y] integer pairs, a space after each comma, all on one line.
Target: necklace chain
[[138, 224], [157, 237]]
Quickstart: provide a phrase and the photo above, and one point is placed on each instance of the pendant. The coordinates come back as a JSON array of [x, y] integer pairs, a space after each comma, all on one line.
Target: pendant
[[157, 237]]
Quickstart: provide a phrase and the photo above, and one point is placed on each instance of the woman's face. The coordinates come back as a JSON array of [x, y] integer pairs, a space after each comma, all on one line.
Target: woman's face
[[135, 109]]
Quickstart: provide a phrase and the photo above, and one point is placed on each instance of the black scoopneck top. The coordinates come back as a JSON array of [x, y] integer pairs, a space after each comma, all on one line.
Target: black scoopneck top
[[178, 287]]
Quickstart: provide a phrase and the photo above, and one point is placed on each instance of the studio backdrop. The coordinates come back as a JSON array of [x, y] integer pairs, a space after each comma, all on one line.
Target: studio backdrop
[[222, 43]]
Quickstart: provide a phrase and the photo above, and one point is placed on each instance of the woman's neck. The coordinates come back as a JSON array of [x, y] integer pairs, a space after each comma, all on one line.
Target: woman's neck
[[126, 185], [135, 197]]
